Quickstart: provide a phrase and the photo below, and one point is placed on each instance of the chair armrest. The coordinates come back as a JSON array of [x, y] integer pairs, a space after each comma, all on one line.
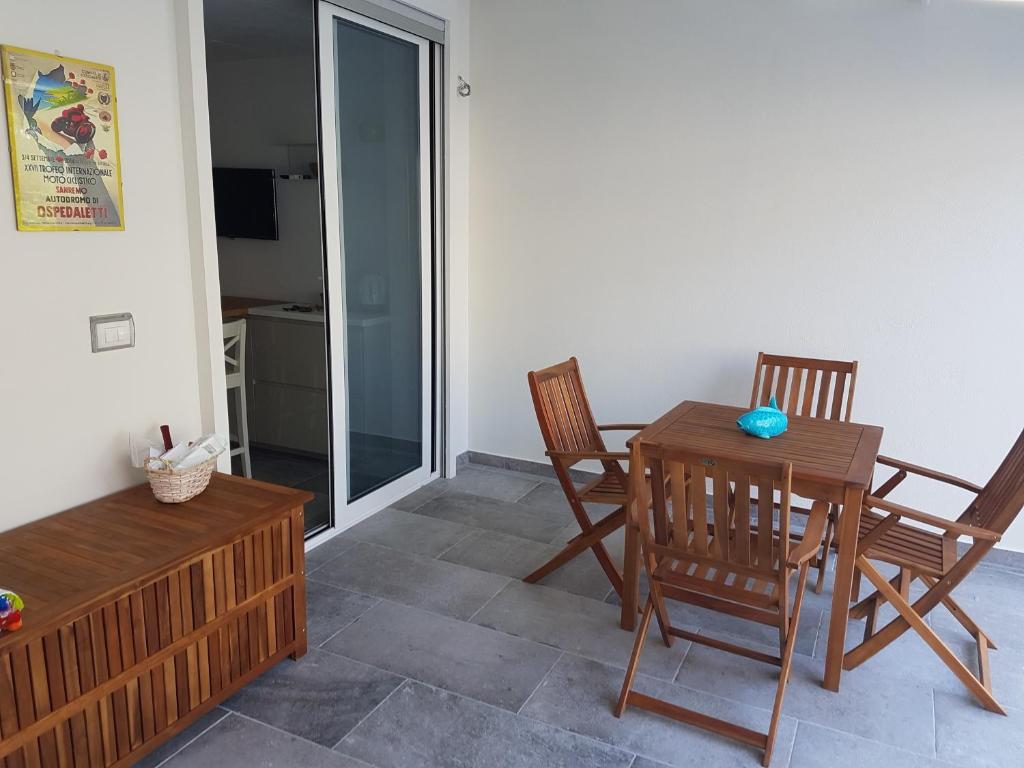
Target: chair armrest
[[889, 485], [952, 526], [808, 547], [931, 474], [575, 456], [621, 427]]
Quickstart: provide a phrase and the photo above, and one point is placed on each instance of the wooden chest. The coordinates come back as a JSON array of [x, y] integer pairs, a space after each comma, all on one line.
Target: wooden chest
[[140, 617]]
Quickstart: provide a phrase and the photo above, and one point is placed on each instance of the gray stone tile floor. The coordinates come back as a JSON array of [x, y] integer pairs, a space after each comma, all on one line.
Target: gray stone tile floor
[[426, 649]]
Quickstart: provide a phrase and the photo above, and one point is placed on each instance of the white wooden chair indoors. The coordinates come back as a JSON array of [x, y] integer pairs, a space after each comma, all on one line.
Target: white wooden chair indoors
[[234, 363]]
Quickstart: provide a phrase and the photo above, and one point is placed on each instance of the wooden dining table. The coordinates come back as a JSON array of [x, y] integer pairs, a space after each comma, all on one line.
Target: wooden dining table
[[832, 461]]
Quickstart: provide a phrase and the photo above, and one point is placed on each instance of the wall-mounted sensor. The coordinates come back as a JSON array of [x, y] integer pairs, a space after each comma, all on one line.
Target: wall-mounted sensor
[[463, 88]]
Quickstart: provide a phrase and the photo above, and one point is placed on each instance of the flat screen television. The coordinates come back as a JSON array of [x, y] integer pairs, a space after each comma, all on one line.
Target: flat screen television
[[245, 202]]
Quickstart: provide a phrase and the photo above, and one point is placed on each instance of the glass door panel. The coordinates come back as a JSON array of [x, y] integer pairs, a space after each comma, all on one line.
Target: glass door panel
[[378, 135], [375, 105]]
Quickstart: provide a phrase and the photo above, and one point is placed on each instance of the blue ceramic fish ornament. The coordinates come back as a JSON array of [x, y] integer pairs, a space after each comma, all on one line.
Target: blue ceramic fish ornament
[[766, 421]]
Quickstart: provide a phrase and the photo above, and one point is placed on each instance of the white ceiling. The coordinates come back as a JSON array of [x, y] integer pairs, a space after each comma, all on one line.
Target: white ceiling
[[251, 29]]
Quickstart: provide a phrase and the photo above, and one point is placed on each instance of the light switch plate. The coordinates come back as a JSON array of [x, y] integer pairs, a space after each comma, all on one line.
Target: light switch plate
[[112, 331]]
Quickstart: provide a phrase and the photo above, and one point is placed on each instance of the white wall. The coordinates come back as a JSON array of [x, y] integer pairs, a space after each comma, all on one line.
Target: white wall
[[664, 188], [65, 413]]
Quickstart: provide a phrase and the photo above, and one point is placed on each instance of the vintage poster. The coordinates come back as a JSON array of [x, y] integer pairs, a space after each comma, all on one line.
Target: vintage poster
[[62, 129]]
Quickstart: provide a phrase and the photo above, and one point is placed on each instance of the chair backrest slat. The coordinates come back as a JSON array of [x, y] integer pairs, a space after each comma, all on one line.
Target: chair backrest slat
[[805, 386], [766, 387], [837, 398], [677, 483], [697, 510], [794, 391], [720, 507], [574, 435], [782, 380], [563, 411], [765, 522], [723, 543], [826, 379], [1002, 498], [742, 518], [661, 525], [808, 400], [580, 426]]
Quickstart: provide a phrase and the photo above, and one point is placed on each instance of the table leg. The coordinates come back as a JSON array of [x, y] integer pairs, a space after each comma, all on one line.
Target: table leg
[[849, 525], [630, 573]]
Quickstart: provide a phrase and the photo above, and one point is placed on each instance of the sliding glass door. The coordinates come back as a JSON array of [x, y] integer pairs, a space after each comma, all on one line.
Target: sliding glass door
[[375, 103]]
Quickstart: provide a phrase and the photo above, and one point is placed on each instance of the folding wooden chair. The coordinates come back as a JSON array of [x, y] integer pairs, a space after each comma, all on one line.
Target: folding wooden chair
[[932, 558], [571, 435], [723, 564], [805, 386]]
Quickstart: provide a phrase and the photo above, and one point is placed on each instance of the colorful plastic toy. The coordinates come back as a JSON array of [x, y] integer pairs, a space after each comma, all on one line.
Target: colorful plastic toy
[[11, 607], [765, 422]]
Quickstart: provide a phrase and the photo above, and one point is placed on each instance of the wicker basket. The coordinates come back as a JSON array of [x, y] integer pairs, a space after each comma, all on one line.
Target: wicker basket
[[173, 486]]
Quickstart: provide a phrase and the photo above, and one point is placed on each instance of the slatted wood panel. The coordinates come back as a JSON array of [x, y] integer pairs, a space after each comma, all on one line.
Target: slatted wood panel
[[711, 558], [563, 411], [803, 386], [144, 657], [570, 436], [712, 547], [910, 545], [1000, 501]]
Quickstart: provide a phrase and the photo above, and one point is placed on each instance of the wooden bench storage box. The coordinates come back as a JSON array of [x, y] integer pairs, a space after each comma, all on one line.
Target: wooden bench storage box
[[141, 616]]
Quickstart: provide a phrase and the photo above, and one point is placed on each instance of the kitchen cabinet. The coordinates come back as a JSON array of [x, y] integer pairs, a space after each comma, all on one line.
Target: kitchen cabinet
[[288, 400]]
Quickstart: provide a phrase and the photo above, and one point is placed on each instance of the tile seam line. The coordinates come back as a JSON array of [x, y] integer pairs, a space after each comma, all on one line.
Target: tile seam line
[[510, 579], [561, 651], [868, 739], [533, 511], [528, 491], [472, 531], [350, 731], [536, 688], [376, 601], [696, 691], [591, 738], [498, 709], [935, 727], [538, 511], [501, 632], [296, 736], [469, 619], [482, 626], [792, 743], [422, 504], [792, 747], [227, 713]]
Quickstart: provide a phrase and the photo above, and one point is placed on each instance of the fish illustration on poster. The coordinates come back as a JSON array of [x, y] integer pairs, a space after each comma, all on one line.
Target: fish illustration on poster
[[62, 131]]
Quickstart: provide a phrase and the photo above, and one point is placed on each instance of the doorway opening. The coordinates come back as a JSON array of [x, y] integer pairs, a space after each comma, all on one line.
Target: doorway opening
[[261, 73], [325, 143]]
